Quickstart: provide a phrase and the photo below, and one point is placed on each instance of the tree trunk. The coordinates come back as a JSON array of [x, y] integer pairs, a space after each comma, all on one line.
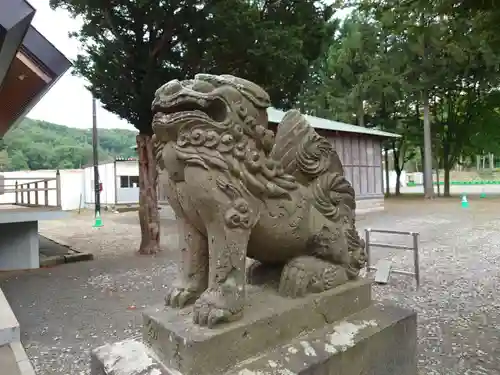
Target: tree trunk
[[428, 185], [386, 162], [398, 178], [447, 182], [437, 179], [446, 167], [397, 168], [423, 165], [361, 115], [148, 198]]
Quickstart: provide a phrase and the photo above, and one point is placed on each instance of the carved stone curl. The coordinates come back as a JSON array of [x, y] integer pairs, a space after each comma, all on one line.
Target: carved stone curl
[[240, 190]]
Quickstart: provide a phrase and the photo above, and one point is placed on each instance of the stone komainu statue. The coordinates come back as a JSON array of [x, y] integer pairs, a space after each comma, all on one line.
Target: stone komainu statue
[[238, 190]]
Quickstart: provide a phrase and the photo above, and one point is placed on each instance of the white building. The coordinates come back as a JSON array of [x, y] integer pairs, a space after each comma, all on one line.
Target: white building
[[119, 181], [392, 180]]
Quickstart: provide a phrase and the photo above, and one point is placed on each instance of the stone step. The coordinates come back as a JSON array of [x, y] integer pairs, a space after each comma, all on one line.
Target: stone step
[[14, 361], [9, 326]]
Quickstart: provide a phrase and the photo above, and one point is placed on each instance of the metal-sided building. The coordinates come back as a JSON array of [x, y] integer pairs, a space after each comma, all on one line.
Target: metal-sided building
[[359, 149]]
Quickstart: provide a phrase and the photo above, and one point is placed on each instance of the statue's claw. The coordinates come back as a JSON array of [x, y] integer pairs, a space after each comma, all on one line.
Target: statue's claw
[[308, 274], [179, 296], [210, 309], [210, 316], [294, 281]]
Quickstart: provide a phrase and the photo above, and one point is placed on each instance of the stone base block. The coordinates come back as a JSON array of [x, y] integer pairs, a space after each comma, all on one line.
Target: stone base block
[[339, 332], [380, 340], [269, 320]]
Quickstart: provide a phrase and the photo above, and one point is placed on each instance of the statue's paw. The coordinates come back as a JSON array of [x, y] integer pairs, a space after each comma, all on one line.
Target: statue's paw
[[210, 316], [307, 274], [179, 296], [210, 309], [295, 280]]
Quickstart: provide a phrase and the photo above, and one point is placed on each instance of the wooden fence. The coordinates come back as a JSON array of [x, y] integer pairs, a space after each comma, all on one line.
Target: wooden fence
[[32, 191]]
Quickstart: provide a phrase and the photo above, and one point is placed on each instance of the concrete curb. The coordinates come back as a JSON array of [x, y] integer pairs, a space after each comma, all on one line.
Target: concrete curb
[[73, 256], [23, 362], [78, 257], [68, 258]]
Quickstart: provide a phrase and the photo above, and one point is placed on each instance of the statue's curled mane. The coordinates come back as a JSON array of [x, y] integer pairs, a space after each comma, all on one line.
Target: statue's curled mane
[[234, 150]]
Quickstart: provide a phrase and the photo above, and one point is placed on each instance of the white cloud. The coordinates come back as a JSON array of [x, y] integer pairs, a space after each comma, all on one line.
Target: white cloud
[[68, 102]]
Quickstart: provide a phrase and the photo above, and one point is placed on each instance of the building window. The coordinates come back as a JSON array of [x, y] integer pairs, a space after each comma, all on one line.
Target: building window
[[129, 182], [124, 181], [134, 181]]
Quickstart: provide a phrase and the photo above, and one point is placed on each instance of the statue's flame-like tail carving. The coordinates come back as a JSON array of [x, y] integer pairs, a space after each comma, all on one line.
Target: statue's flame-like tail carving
[[302, 151], [311, 159]]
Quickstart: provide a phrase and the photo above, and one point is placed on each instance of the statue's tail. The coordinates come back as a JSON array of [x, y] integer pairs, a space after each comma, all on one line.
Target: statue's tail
[[313, 161], [334, 196], [302, 152]]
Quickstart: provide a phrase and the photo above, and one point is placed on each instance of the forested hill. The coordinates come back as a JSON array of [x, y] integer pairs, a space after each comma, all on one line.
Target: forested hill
[[35, 144]]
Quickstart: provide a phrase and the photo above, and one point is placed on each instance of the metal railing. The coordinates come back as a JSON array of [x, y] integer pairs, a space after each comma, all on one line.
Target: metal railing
[[369, 245], [32, 191]]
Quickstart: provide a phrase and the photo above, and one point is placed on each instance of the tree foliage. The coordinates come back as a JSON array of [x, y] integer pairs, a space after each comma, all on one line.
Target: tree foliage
[[37, 144], [393, 58], [4, 160], [131, 47]]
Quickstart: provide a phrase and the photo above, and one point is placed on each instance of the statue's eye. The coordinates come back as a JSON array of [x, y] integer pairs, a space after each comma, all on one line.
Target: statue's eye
[[202, 86], [226, 139]]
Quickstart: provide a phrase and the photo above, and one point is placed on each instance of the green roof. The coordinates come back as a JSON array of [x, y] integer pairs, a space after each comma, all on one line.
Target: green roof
[[276, 115]]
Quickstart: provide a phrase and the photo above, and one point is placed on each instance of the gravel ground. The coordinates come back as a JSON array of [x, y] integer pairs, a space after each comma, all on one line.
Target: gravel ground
[[68, 310], [120, 233]]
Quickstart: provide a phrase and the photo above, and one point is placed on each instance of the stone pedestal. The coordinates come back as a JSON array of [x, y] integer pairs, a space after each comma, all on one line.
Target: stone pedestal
[[337, 332]]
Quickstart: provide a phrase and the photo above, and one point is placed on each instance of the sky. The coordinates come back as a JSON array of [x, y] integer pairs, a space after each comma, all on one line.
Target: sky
[[55, 106]]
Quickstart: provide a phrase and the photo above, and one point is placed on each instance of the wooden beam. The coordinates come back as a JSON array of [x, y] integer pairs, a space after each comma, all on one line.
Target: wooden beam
[[33, 67]]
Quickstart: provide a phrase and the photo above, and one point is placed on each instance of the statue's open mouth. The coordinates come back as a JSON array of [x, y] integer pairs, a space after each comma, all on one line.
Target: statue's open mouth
[[188, 107]]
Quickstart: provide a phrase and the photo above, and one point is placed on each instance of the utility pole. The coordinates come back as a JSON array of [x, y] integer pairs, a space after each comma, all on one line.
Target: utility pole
[[97, 193]]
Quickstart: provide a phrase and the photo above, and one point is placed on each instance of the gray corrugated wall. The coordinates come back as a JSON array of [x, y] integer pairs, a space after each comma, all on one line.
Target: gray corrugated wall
[[362, 160]]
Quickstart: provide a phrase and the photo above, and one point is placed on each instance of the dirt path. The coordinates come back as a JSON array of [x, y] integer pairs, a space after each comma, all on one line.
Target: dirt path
[[120, 234]]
